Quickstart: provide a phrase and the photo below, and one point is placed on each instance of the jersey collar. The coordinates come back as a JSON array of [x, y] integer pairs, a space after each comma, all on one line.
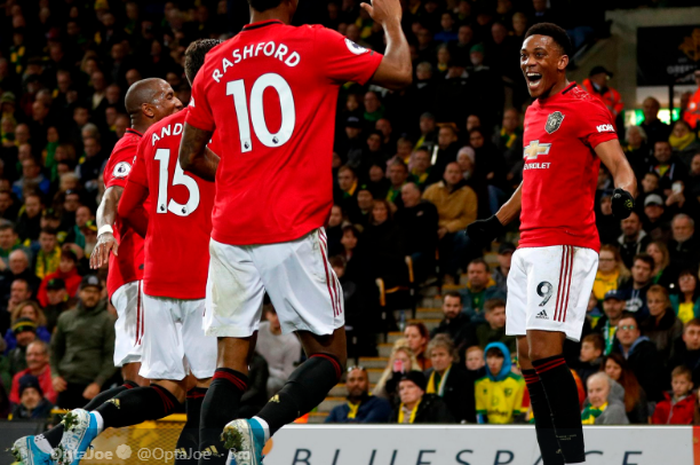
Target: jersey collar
[[134, 132], [258, 25]]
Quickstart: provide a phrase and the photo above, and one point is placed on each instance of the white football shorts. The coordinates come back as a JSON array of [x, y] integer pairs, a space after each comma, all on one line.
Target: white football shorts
[[296, 275], [174, 344], [128, 329], [549, 289]]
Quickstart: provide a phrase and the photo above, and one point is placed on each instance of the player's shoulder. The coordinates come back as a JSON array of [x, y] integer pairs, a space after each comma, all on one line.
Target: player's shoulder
[[130, 139], [578, 95]]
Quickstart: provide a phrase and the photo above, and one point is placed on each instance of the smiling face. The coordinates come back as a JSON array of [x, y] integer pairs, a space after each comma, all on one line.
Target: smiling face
[[543, 64]]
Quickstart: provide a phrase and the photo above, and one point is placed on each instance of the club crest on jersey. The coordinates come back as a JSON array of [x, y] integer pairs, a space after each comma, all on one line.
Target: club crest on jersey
[[121, 170], [354, 48], [553, 122]]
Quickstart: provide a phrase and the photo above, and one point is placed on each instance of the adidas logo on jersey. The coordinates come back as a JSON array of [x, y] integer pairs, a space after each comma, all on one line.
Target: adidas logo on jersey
[[605, 128], [542, 315]]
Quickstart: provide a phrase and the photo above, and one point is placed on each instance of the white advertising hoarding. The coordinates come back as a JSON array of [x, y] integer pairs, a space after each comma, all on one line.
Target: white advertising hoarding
[[470, 445]]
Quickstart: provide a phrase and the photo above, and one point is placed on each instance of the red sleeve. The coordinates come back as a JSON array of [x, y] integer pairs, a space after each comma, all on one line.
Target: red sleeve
[[138, 173], [131, 207], [200, 115], [342, 59], [595, 123], [119, 165]]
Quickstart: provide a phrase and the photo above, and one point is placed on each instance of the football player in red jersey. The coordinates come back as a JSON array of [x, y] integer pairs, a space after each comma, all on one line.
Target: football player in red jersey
[[567, 134], [174, 280], [271, 93], [147, 102]]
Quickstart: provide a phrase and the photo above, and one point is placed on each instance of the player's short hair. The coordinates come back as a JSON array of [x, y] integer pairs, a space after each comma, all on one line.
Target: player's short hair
[[682, 370], [454, 294], [194, 56], [492, 304], [558, 35], [264, 5], [596, 339]]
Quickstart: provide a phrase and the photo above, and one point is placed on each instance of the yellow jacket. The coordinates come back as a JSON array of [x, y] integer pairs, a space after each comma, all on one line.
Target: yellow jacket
[[456, 209]]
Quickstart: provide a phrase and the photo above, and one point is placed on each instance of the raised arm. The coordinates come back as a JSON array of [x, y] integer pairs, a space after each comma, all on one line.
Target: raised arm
[[194, 155], [106, 214], [395, 71], [611, 154]]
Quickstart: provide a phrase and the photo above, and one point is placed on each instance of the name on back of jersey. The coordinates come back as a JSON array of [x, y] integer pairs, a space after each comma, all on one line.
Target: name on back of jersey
[[267, 49], [165, 131]]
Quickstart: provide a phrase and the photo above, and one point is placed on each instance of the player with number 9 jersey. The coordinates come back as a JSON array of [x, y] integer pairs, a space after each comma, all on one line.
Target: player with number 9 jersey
[[279, 85]]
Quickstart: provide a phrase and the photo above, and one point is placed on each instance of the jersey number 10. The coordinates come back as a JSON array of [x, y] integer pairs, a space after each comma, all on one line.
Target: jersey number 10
[[255, 112], [179, 179]]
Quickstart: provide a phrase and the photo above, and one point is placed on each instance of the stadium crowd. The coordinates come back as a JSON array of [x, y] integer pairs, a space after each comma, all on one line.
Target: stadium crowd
[[412, 169]]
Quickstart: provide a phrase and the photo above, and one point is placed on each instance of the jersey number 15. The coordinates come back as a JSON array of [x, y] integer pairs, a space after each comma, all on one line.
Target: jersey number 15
[[179, 179], [255, 112]]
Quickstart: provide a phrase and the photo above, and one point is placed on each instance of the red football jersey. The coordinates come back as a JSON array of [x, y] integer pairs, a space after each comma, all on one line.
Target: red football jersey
[[128, 266], [179, 215], [271, 94], [560, 174]]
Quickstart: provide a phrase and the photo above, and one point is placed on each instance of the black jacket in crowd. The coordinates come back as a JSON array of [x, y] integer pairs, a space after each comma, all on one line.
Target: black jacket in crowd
[[458, 394], [431, 409]]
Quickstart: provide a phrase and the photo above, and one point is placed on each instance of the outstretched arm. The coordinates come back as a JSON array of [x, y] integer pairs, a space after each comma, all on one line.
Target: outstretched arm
[[395, 71], [511, 208], [194, 155]]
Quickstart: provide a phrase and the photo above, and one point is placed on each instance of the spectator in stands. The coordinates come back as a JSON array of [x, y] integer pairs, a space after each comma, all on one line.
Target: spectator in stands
[[417, 336], [613, 306], [67, 272], [383, 246], [475, 362], [592, 347], [280, 351], [663, 273], [597, 86], [494, 329], [416, 406], [48, 258], [684, 248], [499, 394], [37, 365], [360, 407], [686, 302], [637, 150], [448, 145], [641, 354], [29, 310], [456, 205], [686, 351], [691, 115], [678, 406], [634, 239], [605, 402], [611, 271], [455, 323], [683, 142], [654, 220], [24, 330], [355, 268], [397, 172], [9, 242], [667, 165], [347, 182], [636, 405], [635, 290], [421, 168], [448, 380], [58, 301], [359, 214], [32, 405], [509, 140], [662, 326], [652, 125], [480, 288], [82, 347], [500, 273], [31, 179], [401, 361], [418, 222], [29, 220], [89, 168]]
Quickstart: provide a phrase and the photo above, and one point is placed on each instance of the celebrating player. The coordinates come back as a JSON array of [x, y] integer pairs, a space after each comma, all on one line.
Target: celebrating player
[[567, 134], [177, 258], [147, 102], [271, 92]]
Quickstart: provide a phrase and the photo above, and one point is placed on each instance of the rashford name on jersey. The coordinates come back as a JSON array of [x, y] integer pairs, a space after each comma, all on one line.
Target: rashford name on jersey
[[269, 49]]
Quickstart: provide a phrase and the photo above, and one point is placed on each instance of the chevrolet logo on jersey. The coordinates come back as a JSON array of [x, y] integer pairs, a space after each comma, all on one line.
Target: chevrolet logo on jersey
[[535, 149]]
